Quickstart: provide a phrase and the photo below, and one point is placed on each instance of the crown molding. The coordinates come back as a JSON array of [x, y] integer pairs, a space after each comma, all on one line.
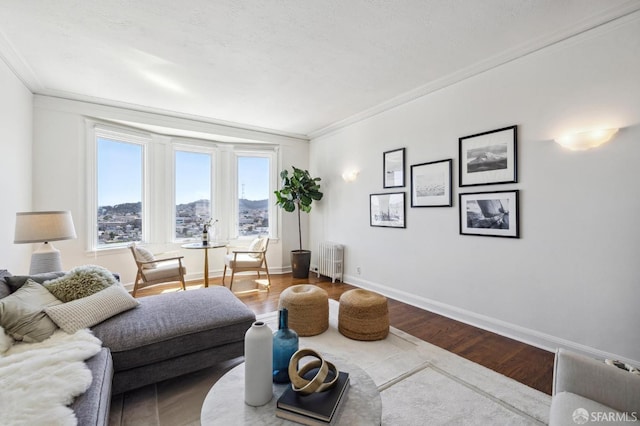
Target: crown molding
[[134, 114], [18, 65], [611, 18]]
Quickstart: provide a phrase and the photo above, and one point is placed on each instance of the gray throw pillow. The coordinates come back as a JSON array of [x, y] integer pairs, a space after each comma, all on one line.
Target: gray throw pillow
[[17, 281], [5, 290], [22, 313], [80, 282]]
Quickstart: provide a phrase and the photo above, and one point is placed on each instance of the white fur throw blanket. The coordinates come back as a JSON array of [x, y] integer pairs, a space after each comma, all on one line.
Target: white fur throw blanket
[[39, 380]]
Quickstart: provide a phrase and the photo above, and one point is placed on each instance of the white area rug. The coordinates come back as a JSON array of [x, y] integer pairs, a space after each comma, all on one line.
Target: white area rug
[[39, 380], [419, 384]]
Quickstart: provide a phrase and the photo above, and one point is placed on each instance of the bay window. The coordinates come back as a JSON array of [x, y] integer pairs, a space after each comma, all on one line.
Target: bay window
[[151, 188]]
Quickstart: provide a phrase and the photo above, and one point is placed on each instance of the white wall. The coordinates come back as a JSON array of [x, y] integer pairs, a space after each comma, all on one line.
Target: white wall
[[573, 278], [16, 117], [59, 158]]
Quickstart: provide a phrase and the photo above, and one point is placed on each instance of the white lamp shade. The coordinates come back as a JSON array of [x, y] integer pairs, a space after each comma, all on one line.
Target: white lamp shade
[[38, 227]]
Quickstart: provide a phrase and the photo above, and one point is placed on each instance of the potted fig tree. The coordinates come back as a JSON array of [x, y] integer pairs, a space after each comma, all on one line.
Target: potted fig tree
[[298, 192]]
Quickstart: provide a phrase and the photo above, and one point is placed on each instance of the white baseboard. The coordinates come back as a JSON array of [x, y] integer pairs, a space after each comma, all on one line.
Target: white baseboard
[[512, 331]]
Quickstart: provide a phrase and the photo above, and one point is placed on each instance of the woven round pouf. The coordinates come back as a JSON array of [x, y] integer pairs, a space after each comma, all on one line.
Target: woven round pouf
[[363, 315], [308, 308]]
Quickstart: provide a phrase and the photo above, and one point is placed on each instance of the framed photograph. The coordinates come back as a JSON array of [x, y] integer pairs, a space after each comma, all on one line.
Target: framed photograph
[[492, 214], [387, 210], [393, 166], [431, 184], [488, 158]]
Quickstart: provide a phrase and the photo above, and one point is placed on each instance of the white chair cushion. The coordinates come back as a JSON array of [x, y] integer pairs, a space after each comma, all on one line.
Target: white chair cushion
[[169, 270], [243, 260]]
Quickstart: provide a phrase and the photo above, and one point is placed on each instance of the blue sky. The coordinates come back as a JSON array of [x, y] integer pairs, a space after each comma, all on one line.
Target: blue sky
[[254, 173], [192, 177], [120, 179]]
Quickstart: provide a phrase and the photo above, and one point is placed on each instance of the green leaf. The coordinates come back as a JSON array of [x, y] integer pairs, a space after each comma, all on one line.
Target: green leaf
[[316, 195], [305, 200], [305, 208]]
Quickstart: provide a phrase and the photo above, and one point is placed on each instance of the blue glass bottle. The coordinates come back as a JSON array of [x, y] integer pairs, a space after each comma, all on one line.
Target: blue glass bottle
[[285, 344]]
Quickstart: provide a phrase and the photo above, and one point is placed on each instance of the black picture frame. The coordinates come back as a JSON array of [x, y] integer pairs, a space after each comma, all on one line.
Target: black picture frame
[[431, 184], [387, 210], [490, 214], [393, 168], [488, 158]]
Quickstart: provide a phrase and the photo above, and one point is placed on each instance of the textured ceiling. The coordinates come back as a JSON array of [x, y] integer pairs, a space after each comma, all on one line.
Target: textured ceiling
[[293, 66]]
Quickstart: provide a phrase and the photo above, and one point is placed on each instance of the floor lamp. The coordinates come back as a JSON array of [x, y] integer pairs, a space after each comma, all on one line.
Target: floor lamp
[[44, 227]]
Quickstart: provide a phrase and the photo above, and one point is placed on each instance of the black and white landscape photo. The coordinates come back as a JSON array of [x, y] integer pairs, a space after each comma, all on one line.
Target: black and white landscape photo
[[431, 184], [488, 158], [493, 157]]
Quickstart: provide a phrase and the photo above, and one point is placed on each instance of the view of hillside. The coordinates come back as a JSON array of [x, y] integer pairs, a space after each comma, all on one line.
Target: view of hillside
[[123, 222]]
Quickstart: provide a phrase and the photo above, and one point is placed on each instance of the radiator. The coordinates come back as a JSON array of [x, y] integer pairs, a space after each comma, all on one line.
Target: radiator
[[330, 260]]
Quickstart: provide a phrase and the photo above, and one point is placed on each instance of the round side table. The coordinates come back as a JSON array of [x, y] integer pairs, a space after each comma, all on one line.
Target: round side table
[[195, 246]]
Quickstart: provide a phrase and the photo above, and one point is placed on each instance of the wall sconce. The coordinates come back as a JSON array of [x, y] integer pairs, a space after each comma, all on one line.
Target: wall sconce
[[586, 140], [350, 176]]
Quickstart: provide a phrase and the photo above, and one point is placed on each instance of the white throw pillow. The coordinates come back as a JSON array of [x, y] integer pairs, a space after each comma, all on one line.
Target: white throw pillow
[[256, 245], [91, 310], [145, 255]]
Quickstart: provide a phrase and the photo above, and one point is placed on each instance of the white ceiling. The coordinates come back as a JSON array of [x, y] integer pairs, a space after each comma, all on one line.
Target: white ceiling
[[297, 67]]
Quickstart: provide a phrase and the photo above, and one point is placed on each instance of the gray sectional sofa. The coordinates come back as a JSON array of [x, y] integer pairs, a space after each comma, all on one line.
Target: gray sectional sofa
[[166, 336]]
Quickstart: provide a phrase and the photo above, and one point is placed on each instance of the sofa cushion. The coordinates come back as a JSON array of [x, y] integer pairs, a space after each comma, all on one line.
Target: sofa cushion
[[89, 311], [170, 325], [22, 313], [17, 281], [569, 409]]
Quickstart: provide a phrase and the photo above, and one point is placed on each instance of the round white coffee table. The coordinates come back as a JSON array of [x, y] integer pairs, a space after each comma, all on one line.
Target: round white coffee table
[[224, 404]]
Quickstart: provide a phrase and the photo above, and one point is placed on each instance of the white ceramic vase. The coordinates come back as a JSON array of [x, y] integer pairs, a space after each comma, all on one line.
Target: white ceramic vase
[[258, 356]]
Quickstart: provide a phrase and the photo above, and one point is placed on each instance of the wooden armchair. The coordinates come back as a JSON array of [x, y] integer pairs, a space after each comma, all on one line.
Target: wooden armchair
[[153, 271], [252, 260]]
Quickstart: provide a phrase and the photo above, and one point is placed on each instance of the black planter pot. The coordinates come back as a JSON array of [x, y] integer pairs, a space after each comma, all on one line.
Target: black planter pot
[[300, 262]]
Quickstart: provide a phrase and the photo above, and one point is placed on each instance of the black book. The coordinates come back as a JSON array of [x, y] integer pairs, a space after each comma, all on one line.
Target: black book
[[319, 405]]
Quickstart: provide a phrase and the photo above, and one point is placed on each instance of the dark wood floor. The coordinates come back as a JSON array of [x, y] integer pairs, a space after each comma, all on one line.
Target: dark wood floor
[[526, 364]]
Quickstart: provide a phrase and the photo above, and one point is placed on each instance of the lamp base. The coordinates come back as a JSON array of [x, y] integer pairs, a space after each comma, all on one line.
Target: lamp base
[[46, 259]]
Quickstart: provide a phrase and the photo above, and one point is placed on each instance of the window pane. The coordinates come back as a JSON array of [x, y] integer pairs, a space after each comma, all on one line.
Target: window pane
[[193, 193], [119, 180], [253, 196]]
